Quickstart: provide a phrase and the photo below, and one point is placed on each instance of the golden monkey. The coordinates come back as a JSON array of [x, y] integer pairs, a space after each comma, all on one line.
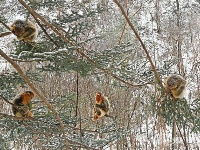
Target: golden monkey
[[101, 108], [23, 105], [24, 30], [176, 85]]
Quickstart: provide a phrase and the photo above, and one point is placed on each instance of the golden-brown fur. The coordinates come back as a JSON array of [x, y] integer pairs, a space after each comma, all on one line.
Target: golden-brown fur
[[24, 30], [102, 106], [22, 105], [176, 85]]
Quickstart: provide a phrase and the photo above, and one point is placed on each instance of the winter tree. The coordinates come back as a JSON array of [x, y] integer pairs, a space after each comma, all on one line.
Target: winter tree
[[123, 49]]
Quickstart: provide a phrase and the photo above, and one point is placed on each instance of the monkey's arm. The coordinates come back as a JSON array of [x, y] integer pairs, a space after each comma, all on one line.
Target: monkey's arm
[[105, 106], [29, 31], [22, 111], [179, 92], [102, 105], [98, 98]]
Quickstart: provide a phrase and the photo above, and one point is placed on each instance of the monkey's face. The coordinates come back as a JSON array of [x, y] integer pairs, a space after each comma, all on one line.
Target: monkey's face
[[30, 94], [98, 98], [171, 82], [27, 96], [18, 27]]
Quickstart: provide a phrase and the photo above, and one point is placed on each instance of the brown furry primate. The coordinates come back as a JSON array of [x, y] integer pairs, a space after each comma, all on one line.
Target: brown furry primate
[[102, 106], [176, 85], [24, 30], [23, 105]]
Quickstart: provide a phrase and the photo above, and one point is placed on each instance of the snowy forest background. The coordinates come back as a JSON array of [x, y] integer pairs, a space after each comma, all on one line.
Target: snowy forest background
[[87, 46]]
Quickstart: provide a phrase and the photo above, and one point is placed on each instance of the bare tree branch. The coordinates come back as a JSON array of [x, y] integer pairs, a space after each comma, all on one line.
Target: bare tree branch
[[19, 60], [124, 27], [79, 50], [4, 24], [5, 34], [38, 22], [7, 101], [142, 44], [15, 118], [35, 90]]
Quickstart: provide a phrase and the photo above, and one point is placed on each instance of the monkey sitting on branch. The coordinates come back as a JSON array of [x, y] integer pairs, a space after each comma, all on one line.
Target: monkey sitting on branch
[[23, 105], [176, 85], [101, 108], [24, 30]]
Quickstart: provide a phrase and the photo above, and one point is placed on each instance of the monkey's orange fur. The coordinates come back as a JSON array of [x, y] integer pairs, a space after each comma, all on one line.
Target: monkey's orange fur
[[102, 106], [23, 105]]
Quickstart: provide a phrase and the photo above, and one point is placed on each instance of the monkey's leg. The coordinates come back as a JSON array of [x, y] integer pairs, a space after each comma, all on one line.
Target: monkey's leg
[[18, 114], [29, 114], [179, 92]]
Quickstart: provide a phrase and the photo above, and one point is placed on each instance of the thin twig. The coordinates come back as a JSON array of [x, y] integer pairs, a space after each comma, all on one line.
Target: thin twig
[[38, 22], [4, 24], [14, 117], [184, 140], [82, 145], [6, 100], [124, 27], [142, 44], [5, 34], [19, 60], [36, 131]]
